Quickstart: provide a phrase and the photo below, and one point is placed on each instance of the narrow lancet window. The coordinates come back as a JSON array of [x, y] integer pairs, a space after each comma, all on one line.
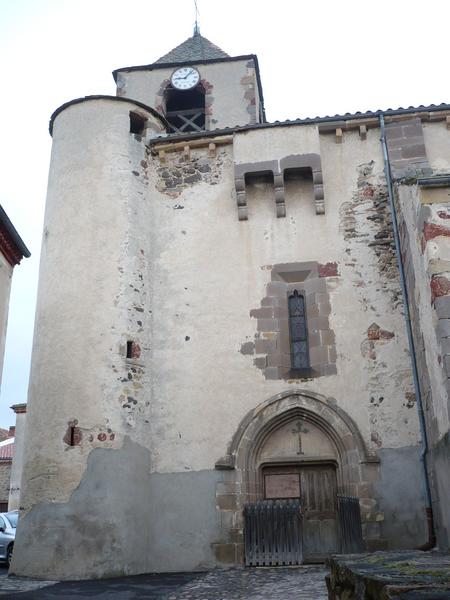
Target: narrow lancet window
[[298, 332]]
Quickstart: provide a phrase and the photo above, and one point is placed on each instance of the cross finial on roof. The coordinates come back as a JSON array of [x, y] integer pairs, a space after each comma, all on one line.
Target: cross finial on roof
[[196, 26]]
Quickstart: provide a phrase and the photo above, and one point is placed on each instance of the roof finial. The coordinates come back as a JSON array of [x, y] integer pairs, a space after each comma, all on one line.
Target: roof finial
[[196, 26]]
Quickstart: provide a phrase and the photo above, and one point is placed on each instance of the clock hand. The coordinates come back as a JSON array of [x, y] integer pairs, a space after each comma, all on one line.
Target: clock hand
[[180, 78]]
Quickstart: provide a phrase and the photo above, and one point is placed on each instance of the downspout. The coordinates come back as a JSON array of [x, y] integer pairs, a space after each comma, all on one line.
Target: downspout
[[423, 455]]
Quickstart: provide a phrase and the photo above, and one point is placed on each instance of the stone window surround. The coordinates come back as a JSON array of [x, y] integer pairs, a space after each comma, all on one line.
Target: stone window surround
[[278, 168], [273, 335]]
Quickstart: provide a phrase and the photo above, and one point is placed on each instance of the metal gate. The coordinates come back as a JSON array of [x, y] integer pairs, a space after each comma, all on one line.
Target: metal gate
[[350, 525], [273, 533]]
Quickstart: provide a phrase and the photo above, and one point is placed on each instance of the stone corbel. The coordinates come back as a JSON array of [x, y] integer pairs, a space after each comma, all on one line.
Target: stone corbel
[[241, 198], [278, 182], [319, 197]]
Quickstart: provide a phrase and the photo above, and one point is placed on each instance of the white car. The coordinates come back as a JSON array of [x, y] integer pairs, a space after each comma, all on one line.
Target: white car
[[8, 524]]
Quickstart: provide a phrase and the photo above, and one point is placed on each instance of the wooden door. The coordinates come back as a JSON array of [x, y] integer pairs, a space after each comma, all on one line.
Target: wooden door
[[320, 525], [315, 487]]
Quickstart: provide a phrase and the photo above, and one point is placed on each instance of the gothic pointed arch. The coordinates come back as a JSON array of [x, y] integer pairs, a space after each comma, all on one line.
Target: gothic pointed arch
[[288, 405], [265, 440]]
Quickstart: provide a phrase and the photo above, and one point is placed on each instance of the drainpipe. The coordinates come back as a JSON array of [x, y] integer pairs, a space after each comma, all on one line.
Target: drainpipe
[[423, 455]]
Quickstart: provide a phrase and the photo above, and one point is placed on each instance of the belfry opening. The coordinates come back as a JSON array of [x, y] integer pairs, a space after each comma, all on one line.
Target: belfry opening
[[185, 109]]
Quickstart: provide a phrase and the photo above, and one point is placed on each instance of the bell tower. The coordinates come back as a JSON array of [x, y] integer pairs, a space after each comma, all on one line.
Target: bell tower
[[197, 87]]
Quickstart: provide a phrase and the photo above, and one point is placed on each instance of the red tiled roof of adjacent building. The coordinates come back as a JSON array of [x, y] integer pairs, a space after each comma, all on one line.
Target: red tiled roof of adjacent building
[[4, 434], [7, 451], [11, 244]]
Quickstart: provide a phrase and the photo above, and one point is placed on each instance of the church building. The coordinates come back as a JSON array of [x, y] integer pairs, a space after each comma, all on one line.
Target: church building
[[235, 314]]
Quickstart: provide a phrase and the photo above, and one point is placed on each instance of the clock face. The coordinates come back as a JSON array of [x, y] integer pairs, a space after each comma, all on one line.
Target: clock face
[[185, 78]]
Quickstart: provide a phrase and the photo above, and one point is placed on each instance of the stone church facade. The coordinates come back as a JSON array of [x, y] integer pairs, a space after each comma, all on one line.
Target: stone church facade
[[221, 319]]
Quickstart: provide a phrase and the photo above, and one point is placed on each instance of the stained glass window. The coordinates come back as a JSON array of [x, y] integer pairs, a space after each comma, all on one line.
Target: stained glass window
[[298, 331]]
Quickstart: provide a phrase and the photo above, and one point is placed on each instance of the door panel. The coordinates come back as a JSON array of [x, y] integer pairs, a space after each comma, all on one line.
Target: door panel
[[282, 485], [320, 530], [315, 485]]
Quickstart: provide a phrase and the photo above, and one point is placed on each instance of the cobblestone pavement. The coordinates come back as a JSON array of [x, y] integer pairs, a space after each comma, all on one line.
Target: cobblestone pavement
[[302, 583]]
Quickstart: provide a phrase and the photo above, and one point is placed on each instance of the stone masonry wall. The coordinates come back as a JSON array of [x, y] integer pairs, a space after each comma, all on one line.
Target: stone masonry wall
[[424, 240], [423, 216]]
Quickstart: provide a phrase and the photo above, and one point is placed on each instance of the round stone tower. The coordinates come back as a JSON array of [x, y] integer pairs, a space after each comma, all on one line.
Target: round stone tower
[[88, 347]]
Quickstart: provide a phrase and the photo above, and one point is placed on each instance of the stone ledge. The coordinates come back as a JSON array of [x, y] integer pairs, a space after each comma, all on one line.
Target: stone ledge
[[399, 575]]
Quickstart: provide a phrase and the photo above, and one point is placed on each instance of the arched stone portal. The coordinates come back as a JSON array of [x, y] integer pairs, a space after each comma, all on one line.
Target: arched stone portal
[[294, 432]]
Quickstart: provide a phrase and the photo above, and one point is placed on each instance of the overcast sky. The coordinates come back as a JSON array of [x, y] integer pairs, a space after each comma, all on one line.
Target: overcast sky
[[316, 58]]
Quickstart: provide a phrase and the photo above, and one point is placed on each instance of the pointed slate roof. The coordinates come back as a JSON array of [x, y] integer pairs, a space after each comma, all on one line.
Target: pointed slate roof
[[196, 47]]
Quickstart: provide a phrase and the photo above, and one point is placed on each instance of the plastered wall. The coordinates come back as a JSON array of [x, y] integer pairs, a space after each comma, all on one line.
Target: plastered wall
[[17, 462], [83, 322], [233, 262]]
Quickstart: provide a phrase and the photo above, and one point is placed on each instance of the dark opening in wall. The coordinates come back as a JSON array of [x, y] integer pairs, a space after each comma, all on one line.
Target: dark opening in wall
[[137, 123], [73, 434], [129, 349], [185, 109], [297, 174], [259, 177], [133, 350]]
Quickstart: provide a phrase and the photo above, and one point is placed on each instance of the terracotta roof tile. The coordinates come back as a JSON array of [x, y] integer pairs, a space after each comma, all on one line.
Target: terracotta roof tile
[[4, 434], [7, 451]]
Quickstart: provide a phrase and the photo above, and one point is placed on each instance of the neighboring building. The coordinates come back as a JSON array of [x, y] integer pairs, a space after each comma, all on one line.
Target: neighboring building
[[20, 411], [4, 434], [6, 459], [220, 320], [12, 250]]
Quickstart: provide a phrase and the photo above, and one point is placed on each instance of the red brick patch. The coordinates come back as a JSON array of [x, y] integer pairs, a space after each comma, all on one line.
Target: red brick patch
[[432, 230], [329, 269], [376, 333], [440, 286], [373, 333], [208, 87], [386, 335], [135, 350]]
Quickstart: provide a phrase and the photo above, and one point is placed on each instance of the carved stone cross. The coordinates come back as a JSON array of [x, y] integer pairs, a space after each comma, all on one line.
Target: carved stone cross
[[298, 430]]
